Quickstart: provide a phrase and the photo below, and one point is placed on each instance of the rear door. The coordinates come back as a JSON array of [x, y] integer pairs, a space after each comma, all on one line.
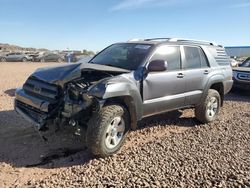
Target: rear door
[[163, 91], [195, 70], [18, 57], [47, 57], [52, 57]]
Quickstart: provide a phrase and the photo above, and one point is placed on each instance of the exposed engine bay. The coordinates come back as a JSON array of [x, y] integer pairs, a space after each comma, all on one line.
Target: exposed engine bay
[[78, 103], [70, 99]]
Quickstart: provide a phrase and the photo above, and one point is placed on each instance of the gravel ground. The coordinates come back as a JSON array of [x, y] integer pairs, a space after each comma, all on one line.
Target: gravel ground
[[169, 150]]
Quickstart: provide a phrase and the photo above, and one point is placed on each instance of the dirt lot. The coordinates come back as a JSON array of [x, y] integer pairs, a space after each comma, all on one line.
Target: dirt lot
[[169, 150]]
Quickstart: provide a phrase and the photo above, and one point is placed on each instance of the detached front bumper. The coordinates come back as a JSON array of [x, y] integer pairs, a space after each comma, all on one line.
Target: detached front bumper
[[38, 123], [32, 109]]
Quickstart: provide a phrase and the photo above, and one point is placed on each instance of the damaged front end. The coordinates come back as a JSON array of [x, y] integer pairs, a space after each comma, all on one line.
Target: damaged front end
[[43, 102], [79, 103], [38, 102]]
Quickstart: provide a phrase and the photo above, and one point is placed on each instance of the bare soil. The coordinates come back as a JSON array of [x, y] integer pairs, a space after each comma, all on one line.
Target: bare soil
[[167, 150]]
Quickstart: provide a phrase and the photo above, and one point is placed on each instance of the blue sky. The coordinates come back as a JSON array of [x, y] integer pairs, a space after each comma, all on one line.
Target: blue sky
[[94, 24]]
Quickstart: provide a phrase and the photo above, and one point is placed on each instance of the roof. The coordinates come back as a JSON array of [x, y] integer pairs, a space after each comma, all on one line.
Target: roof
[[179, 41]]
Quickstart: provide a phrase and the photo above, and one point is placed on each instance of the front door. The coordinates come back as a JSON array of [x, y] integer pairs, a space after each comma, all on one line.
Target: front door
[[10, 57], [163, 91]]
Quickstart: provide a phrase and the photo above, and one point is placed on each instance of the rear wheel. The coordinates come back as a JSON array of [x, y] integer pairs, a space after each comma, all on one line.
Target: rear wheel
[[107, 130], [3, 59], [59, 60], [24, 59], [208, 110]]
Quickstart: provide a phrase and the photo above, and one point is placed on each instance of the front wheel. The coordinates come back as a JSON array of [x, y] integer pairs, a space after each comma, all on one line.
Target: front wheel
[[208, 110], [107, 130]]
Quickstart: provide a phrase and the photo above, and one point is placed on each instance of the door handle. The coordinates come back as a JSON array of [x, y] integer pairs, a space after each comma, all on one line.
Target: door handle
[[180, 75], [206, 71]]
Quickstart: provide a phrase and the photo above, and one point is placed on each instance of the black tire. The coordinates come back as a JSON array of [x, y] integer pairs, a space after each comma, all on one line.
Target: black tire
[[3, 59], [98, 127], [205, 112], [59, 60], [24, 59]]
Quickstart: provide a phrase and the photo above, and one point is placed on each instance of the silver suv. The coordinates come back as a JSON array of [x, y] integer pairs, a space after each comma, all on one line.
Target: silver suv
[[16, 56], [123, 84]]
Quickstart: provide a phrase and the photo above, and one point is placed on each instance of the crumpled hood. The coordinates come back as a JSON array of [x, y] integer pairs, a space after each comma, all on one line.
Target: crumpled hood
[[64, 73]]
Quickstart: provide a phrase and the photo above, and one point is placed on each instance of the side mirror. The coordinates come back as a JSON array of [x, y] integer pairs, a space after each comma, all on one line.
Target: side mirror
[[157, 65]]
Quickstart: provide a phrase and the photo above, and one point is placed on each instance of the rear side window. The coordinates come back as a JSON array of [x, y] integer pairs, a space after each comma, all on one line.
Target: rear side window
[[204, 62], [193, 58], [171, 54]]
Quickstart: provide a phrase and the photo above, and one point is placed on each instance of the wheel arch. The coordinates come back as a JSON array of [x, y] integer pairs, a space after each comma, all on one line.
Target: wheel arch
[[218, 86], [215, 82], [123, 91], [128, 103]]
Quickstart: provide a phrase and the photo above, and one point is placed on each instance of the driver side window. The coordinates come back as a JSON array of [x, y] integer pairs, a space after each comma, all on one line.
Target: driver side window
[[171, 54]]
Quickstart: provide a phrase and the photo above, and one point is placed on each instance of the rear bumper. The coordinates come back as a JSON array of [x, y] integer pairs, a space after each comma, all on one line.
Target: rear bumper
[[228, 86]]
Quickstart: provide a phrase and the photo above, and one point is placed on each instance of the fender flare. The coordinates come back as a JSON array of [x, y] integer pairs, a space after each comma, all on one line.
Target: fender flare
[[218, 78], [121, 89]]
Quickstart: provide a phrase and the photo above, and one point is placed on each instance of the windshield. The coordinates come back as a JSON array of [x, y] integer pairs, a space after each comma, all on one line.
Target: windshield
[[126, 55], [246, 63]]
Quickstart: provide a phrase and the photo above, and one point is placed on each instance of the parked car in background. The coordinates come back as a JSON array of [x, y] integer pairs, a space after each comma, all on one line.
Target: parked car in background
[[2, 58], [49, 57], [16, 56], [70, 57], [32, 55], [84, 58], [241, 76]]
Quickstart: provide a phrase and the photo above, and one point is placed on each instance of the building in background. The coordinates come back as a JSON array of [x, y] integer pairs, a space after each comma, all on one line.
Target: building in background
[[238, 51]]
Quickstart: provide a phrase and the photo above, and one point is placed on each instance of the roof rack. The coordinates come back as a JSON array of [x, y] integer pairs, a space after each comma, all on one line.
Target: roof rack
[[192, 40], [177, 40], [157, 39], [135, 40]]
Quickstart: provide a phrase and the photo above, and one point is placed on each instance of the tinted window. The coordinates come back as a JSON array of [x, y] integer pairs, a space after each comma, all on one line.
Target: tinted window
[[126, 55], [246, 63], [204, 62], [193, 58], [171, 54]]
